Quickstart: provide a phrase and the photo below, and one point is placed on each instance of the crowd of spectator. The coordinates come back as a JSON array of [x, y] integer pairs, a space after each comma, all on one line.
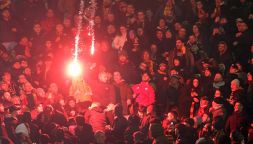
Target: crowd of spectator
[[163, 72]]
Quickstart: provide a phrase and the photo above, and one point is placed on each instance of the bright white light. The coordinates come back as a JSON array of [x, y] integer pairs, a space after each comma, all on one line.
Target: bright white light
[[74, 69]]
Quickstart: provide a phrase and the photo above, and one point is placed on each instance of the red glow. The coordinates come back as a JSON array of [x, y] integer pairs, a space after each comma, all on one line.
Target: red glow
[[74, 69]]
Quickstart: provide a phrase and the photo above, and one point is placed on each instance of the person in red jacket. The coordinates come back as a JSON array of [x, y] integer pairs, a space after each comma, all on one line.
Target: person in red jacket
[[144, 93]]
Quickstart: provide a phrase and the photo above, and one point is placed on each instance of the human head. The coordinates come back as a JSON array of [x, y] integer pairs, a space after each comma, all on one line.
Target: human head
[[27, 71], [176, 62], [22, 79], [71, 102], [6, 13], [59, 28], [118, 110], [241, 26], [53, 88], [172, 116], [145, 77], [67, 22], [6, 77], [168, 34], [204, 102], [26, 117], [173, 72], [110, 17], [130, 9], [162, 67], [207, 72], [153, 48], [4, 86], [7, 96], [37, 28], [195, 28], [40, 92], [249, 76], [182, 33], [192, 39], [141, 16], [195, 82], [162, 23], [16, 65], [235, 84], [24, 63], [217, 93], [50, 13], [236, 137], [146, 55], [48, 109], [97, 19], [138, 137], [111, 29], [117, 77], [103, 77], [80, 120], [28, 87], [159, 34], [177, 26], [199, 5], [222, 47], [238, 107], [123, 57], [1, 108], [123, 30], [179, 44], [218, 77], [100, 137], [39, 108], [140, 31], [143, 66]]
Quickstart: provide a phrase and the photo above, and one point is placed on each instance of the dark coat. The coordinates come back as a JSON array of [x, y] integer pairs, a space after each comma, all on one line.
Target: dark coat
[[7, 35], [161, 81], [238, 96], [123, 92], [242, 47], [84, 134], [118, 127], [38, 41], [59, 118], [236, 121], [225, 58]]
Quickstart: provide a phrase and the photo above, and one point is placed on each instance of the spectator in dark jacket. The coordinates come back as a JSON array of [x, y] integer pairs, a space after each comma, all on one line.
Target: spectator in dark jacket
[[224, 56], [133, 126], [123, 91], [119, 123], [83, 131], [236, 121], [8, 26], [157, 134], [241, 43]]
